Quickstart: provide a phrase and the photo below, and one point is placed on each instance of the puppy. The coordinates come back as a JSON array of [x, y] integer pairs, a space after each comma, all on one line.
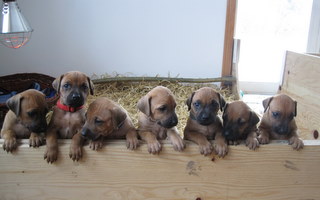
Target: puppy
[[26, 118], [158, 120], [106, 119], [240, 123], [278, 121], [68, 115], [203, 123]]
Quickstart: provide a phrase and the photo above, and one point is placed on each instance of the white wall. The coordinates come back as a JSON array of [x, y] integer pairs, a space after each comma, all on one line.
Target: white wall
[[142, 37]]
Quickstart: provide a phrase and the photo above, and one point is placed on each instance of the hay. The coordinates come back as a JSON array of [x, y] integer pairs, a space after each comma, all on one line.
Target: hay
[[127, 95]]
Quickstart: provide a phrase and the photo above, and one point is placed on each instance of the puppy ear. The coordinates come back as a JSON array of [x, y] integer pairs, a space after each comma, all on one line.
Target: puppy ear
[[14, 104], [266, 103], [144, 105], [254, 119], [91, 86], [295, 108], [222, 102], [56, 84], [189, 100], [118, 117]]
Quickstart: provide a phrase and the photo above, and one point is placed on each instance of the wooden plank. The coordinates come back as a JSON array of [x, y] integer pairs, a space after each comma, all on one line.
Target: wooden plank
[[274, 171], [301, 82], [228, 37]]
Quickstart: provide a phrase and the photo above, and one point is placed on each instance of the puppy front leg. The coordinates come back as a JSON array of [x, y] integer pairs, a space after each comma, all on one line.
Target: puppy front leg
[[75, 152], [220, 145], [96, 144], [252, 141], [132, 139], [154, 145], [35, 140], [175, 139], [51, 152], [10, 142], [264, 136], [295, 141], [205, 146]]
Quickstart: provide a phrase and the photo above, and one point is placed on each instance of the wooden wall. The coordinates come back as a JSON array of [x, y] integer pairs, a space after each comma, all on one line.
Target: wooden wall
[[274, 171], [301, 81]]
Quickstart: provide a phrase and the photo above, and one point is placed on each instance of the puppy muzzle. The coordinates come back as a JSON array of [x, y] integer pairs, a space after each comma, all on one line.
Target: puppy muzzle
[[38, 127], [75, 99], [170, 122], [85, 132], [282, 129]]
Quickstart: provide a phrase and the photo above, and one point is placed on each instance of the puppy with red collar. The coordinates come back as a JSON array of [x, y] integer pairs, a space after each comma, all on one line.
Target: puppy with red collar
[[68, 115]]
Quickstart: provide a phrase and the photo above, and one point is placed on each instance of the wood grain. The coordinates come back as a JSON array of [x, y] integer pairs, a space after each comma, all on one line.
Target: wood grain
[[301, 82], [274, 171]]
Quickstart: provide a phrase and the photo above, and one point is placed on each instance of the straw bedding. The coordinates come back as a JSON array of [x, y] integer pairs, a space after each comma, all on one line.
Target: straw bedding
[[127, 95]]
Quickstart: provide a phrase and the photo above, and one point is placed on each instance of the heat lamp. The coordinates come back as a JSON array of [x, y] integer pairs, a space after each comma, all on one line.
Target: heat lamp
[[15, 30]]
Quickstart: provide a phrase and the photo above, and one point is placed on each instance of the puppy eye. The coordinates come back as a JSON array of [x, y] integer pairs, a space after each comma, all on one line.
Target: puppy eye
[[162, 108], [66, 86], [241, 122], [196, 104], [84, 86], [32, 113], [214, 103], [98, 121], [276, 114]]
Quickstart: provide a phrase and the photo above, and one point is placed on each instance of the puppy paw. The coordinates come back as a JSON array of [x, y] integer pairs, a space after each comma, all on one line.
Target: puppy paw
[[178, 143], [9, 144], [154, 147], [132, 143], [296, 143], [95, 145], [75, 152], [205, 148], [252, 143], [263, 139], [51, 154], [35, 140], [221, 149]]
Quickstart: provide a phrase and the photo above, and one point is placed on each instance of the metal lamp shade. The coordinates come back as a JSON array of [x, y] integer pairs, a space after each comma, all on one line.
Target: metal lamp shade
[[15, 30]]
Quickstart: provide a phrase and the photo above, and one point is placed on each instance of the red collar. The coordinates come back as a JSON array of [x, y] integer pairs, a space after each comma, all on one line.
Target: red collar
[[68, 108]]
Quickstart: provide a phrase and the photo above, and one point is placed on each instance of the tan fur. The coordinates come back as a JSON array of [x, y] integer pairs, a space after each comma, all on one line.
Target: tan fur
[[151, 116], [238, 115], [286, 106], [200, 134], [106, 119], [17, 121], [67, 125]]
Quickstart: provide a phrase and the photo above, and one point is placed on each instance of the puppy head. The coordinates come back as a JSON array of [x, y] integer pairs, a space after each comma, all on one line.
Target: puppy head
[[31, 108], [280, 110], [102, 118], [204, 105], [238, 120], [73, 87], [159, 105]]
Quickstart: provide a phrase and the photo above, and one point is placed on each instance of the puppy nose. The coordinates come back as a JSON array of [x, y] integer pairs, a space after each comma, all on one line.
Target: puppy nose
[[205, 116], [84, 132], [76, 97]]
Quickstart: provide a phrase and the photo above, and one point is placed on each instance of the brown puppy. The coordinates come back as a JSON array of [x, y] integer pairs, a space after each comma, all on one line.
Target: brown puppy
[[278, 121], [240, 123], [106, 119], [158, 120], [26, 118], [68, 115], [203, 123]]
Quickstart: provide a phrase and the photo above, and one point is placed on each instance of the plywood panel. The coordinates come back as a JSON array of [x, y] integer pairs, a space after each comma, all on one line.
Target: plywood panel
[[301, 81], [274, 171]]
